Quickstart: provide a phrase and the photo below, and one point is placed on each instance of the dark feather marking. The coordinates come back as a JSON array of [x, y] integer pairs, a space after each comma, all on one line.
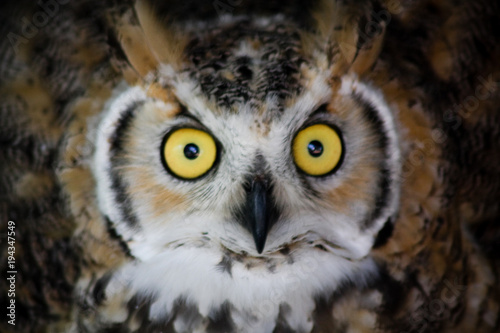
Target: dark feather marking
[[114, 235], [285, 251], [381, 201], [322, 316], [271, 265], [384, 177], [192, 10], [225, 265], [99, 292], [384, 234], [119, 187], [164, 324], [220, 319], [112, 328], [158, 327], [393, 291], [139, 306], [281, 323], [186, 311], [320, 247], [273, 72]]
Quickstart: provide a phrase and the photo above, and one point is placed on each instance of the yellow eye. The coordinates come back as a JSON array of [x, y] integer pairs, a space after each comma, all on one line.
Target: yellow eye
[[317, 150], [189, 153]]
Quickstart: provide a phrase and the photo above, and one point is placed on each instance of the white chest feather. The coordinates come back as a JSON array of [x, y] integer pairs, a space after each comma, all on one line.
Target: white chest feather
[[255, 291]]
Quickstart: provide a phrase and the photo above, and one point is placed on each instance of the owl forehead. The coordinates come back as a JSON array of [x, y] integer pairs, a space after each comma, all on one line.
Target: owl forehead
[[247, 63]]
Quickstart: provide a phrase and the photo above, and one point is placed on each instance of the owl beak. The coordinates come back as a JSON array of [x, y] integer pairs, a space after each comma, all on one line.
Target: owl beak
[[259, 212]]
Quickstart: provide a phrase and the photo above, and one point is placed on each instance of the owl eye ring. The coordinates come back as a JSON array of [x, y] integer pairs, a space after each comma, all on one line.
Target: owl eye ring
[[188, 153], [318, 150]]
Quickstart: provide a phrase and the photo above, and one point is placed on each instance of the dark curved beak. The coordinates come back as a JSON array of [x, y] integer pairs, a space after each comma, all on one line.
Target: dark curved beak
[[259, 212], [259, 221]]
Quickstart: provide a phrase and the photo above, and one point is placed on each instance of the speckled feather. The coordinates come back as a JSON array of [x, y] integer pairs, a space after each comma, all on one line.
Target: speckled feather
[[436, 63]]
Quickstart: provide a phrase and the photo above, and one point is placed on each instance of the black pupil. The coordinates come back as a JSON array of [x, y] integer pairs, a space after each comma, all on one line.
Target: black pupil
[[315, 148], [191, 151]]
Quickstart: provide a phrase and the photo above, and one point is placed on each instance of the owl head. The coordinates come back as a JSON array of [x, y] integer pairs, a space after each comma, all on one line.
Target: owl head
[[244, 158]]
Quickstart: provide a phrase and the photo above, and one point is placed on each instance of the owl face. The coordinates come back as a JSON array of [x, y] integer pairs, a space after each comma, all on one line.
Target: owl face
[[246, 168]]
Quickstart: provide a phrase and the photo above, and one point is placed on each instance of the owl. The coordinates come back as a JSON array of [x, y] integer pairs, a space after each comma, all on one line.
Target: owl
[[250, 166]]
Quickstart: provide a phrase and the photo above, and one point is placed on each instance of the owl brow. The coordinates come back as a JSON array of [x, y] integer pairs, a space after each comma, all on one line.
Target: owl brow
[[184, 112], [322, 109], [316, 115]]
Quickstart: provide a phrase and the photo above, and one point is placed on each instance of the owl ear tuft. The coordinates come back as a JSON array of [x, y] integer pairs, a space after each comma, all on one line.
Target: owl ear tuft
[[145, 41], [166, 42], [354, 31]]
